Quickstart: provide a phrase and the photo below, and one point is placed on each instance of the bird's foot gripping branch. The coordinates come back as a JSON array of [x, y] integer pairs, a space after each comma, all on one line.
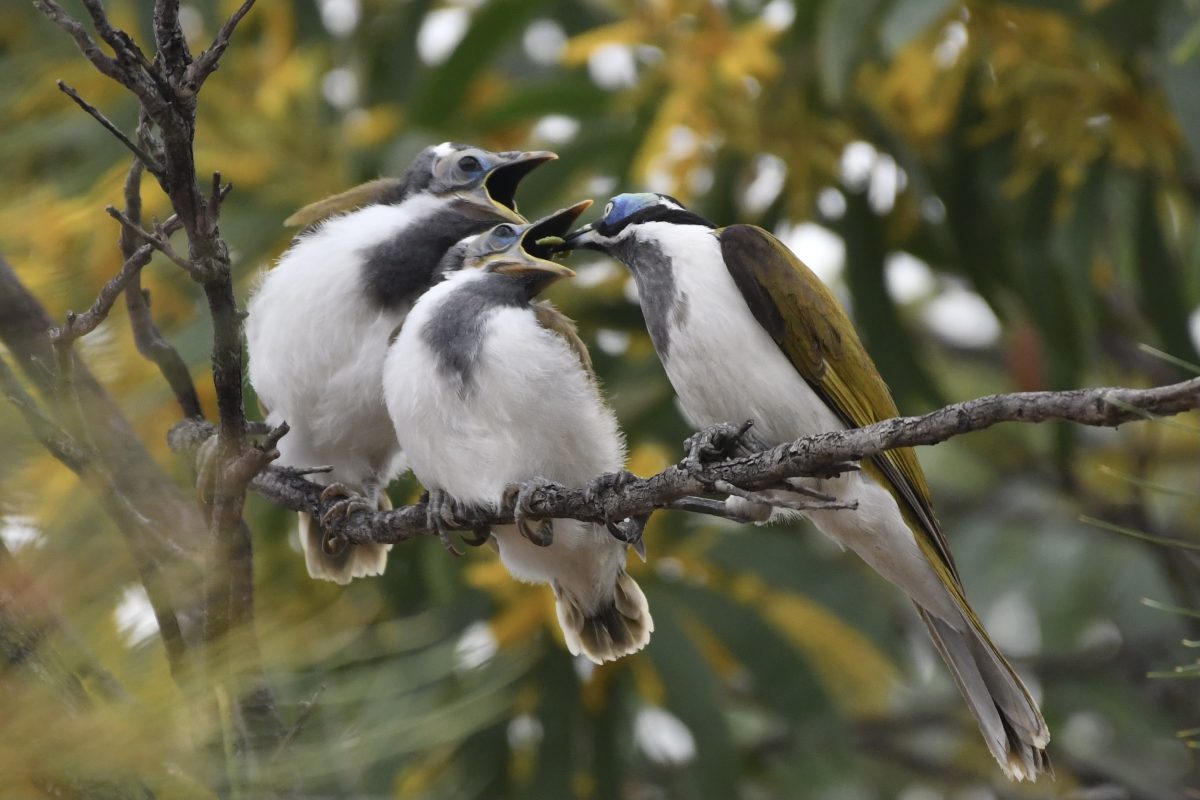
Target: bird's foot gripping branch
[[821, 456]]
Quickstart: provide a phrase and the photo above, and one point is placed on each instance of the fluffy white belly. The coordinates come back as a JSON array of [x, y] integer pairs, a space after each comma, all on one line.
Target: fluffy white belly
[[316, 348], [529, 411]]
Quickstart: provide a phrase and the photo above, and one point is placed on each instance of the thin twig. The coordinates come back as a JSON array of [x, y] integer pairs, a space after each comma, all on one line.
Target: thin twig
[[121, 43], [111, 127], [306, 710], [86, 44], [148, 339], [78, 325], [207, 61], [775, 501], [158, 239], [61, 444]]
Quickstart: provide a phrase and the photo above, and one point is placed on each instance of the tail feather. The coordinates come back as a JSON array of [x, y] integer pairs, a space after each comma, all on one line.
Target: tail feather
[[1008, 717], [352, 561], [617, 628]]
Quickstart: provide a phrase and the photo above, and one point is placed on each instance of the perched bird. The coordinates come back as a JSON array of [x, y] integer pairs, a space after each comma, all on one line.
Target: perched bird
[[319, 322], [488, 389], [745, 331]]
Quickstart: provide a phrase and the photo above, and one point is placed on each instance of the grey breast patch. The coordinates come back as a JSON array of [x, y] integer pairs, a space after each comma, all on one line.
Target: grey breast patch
[[400, 269], [663, 305], [455, 333]]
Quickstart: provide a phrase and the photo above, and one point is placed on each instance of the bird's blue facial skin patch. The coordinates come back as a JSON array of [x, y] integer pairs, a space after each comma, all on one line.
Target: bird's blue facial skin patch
[[503, 235], [624, 205]]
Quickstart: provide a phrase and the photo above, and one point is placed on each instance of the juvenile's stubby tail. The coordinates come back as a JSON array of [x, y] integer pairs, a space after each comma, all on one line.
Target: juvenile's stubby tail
[[1008, 717], [617, 628], [352, 561]]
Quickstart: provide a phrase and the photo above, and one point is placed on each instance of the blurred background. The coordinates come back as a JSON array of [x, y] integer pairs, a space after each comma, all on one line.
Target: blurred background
[[1004, 193]]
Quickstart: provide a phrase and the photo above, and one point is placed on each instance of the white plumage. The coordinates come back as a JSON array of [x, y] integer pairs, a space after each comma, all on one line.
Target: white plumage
[[529, 410], [316, 346]]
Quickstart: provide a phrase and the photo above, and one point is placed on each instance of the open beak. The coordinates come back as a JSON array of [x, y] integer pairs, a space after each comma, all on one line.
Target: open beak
[[582, 239], [498, 191], [531, 254]]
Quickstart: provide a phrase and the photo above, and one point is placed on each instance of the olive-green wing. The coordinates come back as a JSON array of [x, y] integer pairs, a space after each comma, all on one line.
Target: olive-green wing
[[362, 195], [810, 326], [554, 320]]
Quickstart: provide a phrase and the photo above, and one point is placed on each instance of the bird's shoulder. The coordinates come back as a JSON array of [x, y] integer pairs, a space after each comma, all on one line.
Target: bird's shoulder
[[362, 195], [553, 320]]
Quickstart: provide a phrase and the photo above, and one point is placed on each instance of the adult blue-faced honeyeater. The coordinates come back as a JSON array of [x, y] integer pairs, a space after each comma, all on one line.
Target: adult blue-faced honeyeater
[[745, 331], [489, 389], [319, 322]]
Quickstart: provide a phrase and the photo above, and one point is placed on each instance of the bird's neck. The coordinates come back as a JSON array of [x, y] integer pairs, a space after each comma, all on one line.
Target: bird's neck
[[455, 331], [658, 292], [400, 268]]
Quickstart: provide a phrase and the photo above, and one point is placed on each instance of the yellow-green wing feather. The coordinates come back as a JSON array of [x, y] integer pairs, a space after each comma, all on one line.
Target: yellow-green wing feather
[[810, 326], [362, 195], [554, 320]]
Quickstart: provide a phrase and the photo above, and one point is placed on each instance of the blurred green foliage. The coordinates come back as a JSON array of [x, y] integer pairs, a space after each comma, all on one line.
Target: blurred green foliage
[[1006, 193]]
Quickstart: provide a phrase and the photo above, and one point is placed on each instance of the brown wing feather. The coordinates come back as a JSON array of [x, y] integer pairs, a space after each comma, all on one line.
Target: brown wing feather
[[552, 319], [362, 195], [812, 329]]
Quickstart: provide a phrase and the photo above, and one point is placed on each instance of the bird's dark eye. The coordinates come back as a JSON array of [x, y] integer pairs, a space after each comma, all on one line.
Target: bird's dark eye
[[504, 235], [469, 164], [608, 209]]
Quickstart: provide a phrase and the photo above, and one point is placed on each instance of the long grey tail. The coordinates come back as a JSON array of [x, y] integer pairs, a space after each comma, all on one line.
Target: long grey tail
[[617, 628], [349, 561], [1008, 717]]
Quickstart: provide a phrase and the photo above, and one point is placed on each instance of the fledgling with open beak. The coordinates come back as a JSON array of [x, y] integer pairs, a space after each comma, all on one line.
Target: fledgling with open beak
[[489, 389], [319, 322], [745, 331]]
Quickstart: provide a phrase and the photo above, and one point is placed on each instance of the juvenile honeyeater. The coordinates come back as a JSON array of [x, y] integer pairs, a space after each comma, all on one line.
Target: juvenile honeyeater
[[319, 322], [745, 331], [489, 388]]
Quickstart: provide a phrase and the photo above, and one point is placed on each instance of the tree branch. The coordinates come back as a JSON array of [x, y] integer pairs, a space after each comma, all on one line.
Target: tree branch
[[111, 127], [822, 455], [207, 62], [146, 336]]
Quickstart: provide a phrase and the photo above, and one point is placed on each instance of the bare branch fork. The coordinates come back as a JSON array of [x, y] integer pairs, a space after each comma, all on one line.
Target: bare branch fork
[[814, 456], [166, 87]]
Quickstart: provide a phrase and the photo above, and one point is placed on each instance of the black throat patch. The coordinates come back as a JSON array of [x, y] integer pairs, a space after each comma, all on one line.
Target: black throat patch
[[397, 271], [663, 305], [455, 333]]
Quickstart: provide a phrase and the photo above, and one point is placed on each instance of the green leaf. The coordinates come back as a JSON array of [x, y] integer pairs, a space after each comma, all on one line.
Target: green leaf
[[558, 712], [842, 33], [1178, 66], [782, 679], [692, 692], [907, 19], [1160, 274], [875, 316]]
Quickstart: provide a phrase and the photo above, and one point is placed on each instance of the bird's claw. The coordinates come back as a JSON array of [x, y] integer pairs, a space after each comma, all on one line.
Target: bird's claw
[[608, 482], [714, 443], [519, 496], [629, 531], [349, 504], [444, 513]]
